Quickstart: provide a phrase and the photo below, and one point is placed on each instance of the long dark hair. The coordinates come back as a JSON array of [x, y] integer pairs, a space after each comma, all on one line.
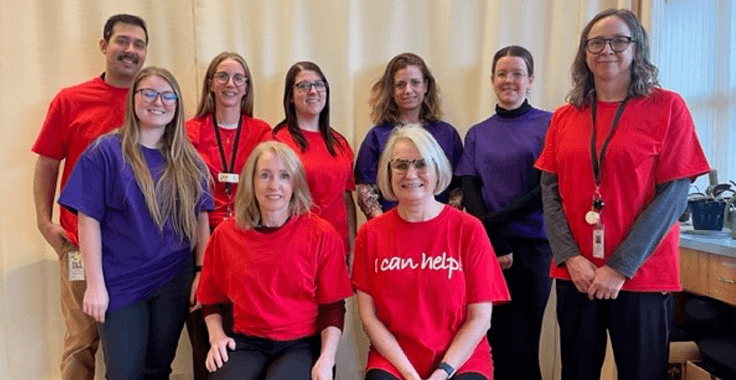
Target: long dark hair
[[291, 122], [643, 72]]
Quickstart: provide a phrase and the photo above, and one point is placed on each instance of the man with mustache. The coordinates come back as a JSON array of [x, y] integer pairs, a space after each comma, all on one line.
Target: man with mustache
[[76, 117]]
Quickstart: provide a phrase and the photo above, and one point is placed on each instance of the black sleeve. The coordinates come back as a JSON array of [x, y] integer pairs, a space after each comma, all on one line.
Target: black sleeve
[[474, 204]]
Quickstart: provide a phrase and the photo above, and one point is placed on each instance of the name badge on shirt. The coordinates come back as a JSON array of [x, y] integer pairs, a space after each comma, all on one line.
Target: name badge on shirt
[[75, 266], [228, 177], [598, 241]]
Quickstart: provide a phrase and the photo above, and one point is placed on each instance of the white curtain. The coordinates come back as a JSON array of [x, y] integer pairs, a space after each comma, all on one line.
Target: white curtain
[[48, 44]]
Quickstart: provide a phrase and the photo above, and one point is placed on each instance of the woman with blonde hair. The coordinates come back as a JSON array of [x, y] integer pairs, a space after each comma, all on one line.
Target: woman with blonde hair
[[425, 273], [142, 200], [283, 269], [224, 132], [407, 93]]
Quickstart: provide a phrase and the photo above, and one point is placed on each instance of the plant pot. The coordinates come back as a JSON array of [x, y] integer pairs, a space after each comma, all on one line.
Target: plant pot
[[707, 214]]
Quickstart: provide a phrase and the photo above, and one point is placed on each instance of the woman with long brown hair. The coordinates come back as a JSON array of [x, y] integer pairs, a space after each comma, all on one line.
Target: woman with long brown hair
[[142, 200]]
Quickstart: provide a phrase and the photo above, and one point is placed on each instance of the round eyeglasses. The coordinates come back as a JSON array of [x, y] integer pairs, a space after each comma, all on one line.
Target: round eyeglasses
[[402, 165], [223, 77], [618, 44], [150, 95]]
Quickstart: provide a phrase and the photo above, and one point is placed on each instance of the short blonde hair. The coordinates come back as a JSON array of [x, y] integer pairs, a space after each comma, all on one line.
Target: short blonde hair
[[247, 210], [428, 148]]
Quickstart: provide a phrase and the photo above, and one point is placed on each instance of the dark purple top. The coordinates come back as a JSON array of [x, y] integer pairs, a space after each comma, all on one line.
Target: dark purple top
[[502, 152], [366, 165], [136, 256]]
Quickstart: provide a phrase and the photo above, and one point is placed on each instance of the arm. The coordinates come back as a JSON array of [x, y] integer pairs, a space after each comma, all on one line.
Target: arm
[[565, 249], [96, 298], [322, 369], [352, 222], [219, 343], [203, 235], [382, 339], [648, 230], [368, 200], [45, 176], [475, 205], [470, 334]]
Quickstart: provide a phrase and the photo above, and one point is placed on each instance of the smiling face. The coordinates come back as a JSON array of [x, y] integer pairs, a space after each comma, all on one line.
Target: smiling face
[[125, 51], [409, 89], [156, 113], [511, 82], [273, 186], [413, 184], [608, 65], [228, 94], [308, 104]]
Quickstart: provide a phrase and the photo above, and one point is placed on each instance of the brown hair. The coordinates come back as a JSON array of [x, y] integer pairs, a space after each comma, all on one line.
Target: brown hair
[[207, 100]]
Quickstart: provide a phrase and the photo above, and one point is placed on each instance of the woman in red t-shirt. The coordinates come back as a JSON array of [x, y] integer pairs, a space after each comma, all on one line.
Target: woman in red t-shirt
[[325, 154], [283, 269], [425, 273], [224, 132]]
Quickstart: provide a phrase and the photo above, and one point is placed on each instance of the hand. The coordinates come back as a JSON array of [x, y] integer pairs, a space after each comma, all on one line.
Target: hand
[[606, 284], [438, 374], [193, 303], [95, 302], [322, 369], [217, 355], [506, 261], [55, 235], [581, 271]]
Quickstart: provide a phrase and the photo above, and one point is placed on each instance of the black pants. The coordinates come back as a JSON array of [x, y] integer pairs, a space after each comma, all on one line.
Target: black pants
[[516, 326], [637, 323], [200, 338], [377, 374], [139, 341], [260, 358]]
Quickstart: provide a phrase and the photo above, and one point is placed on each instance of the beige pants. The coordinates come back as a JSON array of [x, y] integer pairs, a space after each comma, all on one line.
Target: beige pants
[[80, 338]]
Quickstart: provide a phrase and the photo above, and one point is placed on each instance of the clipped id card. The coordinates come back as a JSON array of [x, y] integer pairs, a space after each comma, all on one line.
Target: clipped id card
[[75, 266], [598, 241], [228, 177]]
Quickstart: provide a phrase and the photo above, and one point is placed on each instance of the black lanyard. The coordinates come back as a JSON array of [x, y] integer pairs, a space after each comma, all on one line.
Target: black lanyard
[[225, 167], [598, 163]]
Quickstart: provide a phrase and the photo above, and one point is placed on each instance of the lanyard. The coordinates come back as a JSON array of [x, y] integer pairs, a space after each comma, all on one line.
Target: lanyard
[[225, 167], [598, 163]]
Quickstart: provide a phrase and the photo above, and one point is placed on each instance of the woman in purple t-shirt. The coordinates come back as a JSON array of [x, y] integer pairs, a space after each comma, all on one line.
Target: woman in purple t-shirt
[[141, 197], [501, 187], [407, 93]]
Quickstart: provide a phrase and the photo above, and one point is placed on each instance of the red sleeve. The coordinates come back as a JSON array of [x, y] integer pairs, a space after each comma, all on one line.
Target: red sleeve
[[350, 185], [332, 274], [360, 262], [681, 155], [547, 159], [213, 279], [52, 141], [483, 276], [192, 127]]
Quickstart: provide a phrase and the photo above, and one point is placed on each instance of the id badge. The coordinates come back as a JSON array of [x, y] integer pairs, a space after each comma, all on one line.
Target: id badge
[[75, 266], [228, 177], [598, 241]]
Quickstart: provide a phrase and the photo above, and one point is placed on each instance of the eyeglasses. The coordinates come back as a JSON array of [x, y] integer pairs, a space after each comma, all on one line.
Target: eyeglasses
[[617, 44], [402, 165], [150, 95], [223, 77], [306, 86]]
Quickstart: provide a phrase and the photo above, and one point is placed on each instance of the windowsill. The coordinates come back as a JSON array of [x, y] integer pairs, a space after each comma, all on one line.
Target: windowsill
[[716, 242]]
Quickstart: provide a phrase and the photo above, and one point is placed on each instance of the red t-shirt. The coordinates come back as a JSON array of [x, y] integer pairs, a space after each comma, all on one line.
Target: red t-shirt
[[422, 276], [328, 177], [275, 280], [202, 135], [76, 117], [655, 142]]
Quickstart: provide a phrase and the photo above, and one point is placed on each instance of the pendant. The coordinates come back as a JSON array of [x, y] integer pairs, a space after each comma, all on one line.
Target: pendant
[[592, 217]]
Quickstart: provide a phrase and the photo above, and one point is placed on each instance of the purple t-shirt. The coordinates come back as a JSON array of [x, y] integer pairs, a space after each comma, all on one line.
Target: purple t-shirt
[[366, 165], [137, 257], [502, 153]]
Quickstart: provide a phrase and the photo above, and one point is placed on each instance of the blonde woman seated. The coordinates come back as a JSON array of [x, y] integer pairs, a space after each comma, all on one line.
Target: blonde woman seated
[[425, 273], [284, 271]]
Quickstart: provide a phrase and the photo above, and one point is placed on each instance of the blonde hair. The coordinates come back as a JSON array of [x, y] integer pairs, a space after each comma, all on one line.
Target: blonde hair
[[184, 177], [207, 102], [247, 210], [428, 148], [383, 107]]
